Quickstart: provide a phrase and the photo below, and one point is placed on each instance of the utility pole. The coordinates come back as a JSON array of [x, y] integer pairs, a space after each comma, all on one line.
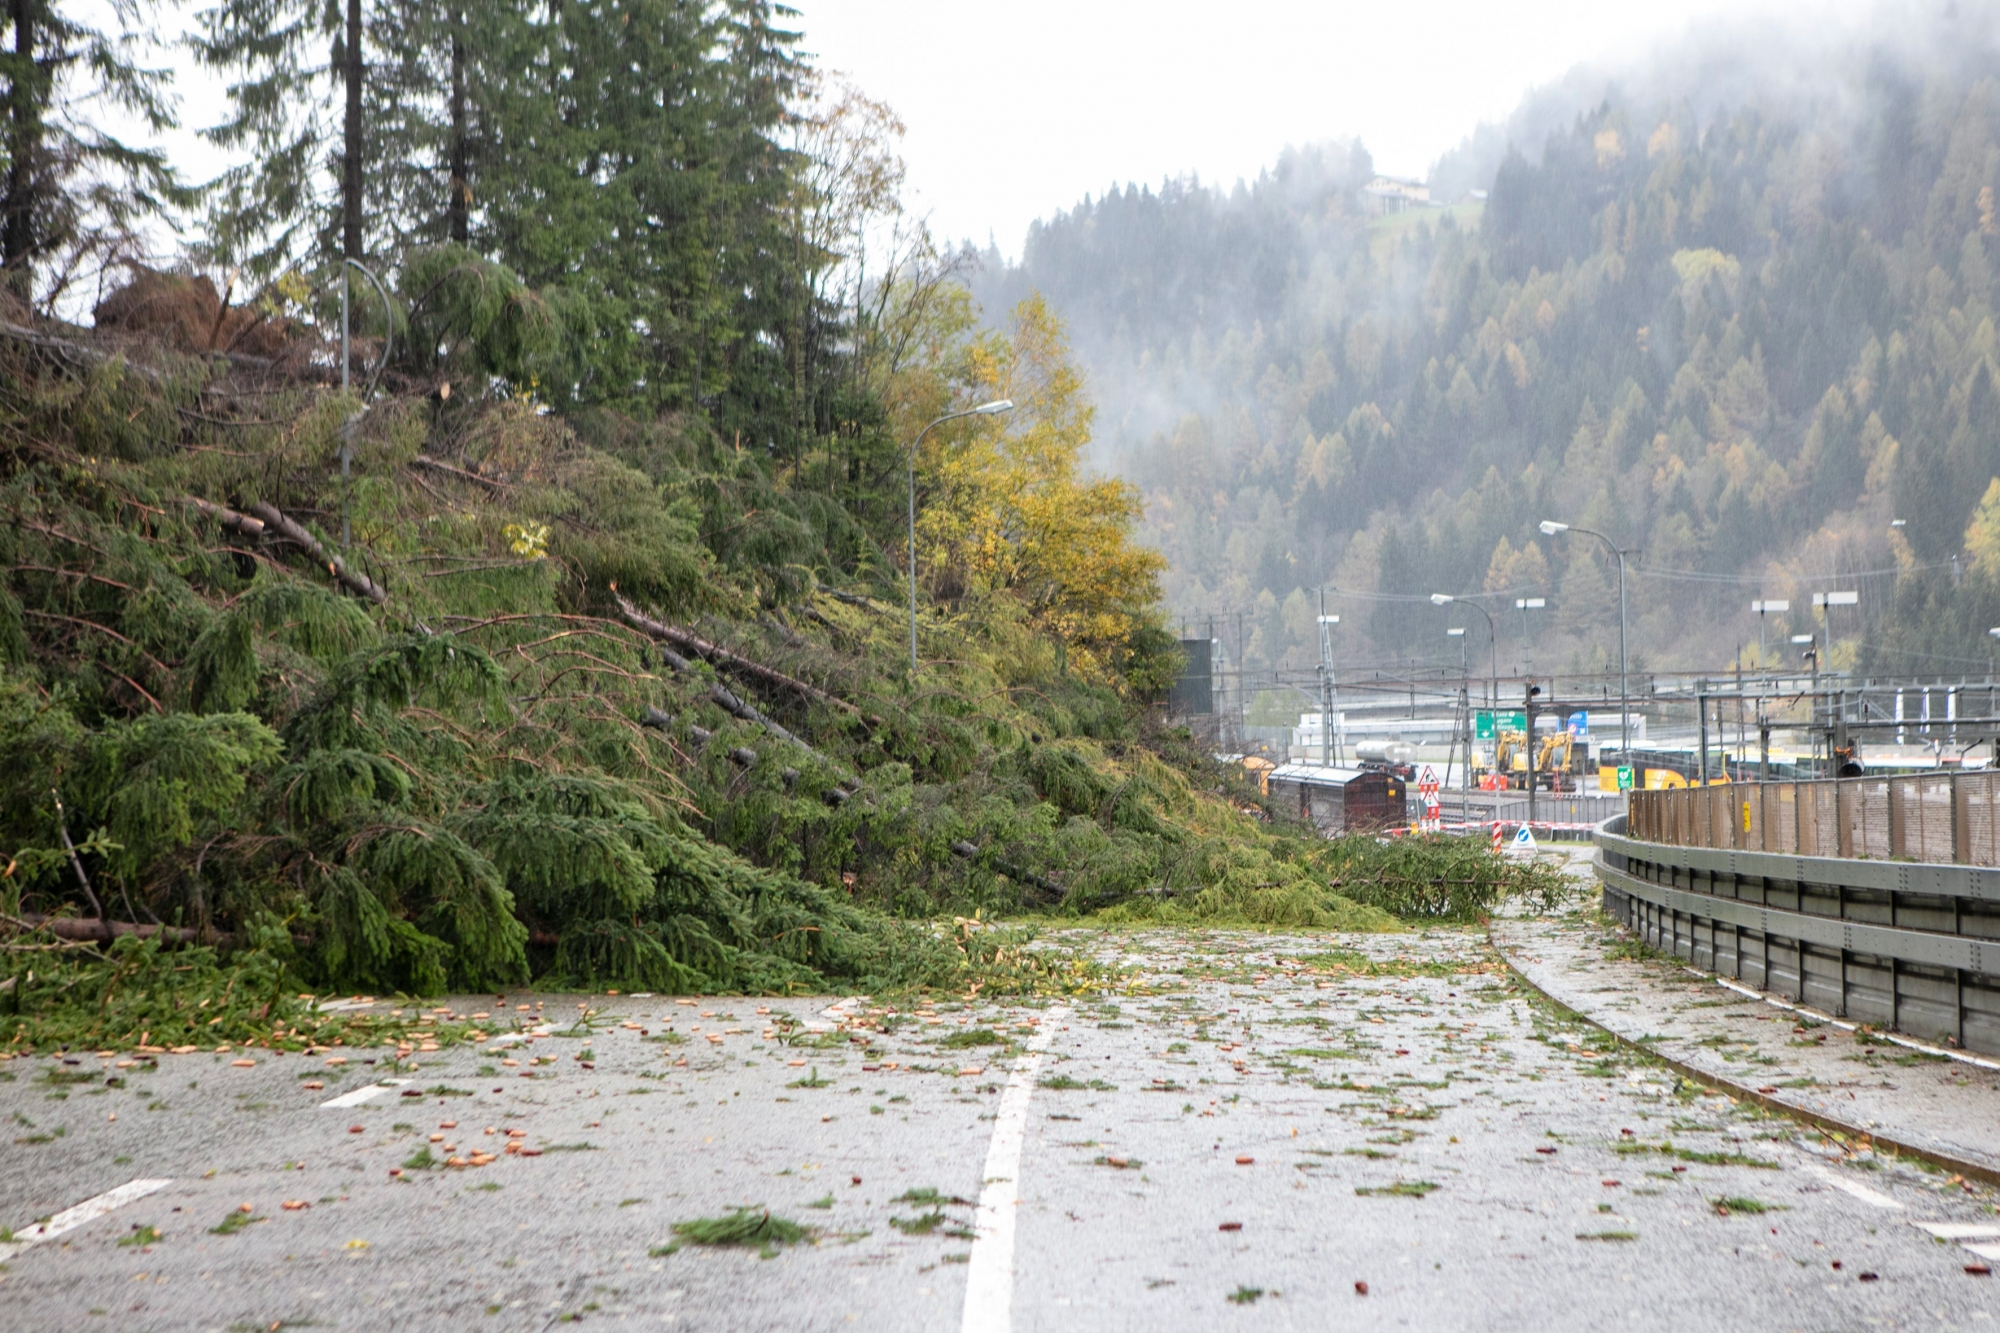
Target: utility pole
[[1528, 693], [1327, 749], [1763, 742], [1701, 712]]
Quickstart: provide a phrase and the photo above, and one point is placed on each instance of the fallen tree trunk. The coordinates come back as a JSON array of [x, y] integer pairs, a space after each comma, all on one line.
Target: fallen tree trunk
[[735, 707], [436, 465], [292, 532], [103, 932], [851, 598], [732, 662], [1019, 874], [229, 518], [72, 351]]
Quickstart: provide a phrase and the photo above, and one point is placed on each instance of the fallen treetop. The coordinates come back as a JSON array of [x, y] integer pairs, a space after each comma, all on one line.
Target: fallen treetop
[[732, 662]]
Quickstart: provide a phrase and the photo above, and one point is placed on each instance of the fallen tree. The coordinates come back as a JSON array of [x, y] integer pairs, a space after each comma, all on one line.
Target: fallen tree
[[734, 663]]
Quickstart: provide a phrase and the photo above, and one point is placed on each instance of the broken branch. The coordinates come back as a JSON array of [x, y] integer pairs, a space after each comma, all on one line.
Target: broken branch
[[292, 532]]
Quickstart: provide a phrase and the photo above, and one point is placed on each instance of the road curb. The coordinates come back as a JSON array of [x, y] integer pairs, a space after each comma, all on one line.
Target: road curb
[[1967, 1167]]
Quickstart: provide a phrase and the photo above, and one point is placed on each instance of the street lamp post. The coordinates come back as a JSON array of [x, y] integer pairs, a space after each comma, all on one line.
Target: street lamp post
[[346, 362], [1465, 713], [1761, 607], [1810, 645], [1492, 635], [1525, 605], [1551, 528], [1826, 601], [983, 410]]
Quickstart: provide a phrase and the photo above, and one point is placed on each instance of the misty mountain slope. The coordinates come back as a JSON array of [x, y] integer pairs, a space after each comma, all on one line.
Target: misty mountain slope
[[1740, 335]]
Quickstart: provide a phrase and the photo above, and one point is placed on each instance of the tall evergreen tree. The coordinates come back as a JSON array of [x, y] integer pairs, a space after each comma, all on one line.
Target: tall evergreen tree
[[640, 171], [296, 190], [66, 181], [351, 154]]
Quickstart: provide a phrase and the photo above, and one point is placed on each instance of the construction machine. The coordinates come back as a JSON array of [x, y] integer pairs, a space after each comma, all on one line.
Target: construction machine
[[1552, 761], [1557, 760]]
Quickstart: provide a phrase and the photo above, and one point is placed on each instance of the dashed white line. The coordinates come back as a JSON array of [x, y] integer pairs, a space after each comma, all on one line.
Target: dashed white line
[[69, 1219], [989, 1281], [1854, 1187], [365, 1094], [1961, 1230]]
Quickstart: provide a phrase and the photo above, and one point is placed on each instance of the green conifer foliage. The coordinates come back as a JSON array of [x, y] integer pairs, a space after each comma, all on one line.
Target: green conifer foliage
[[68, 183]]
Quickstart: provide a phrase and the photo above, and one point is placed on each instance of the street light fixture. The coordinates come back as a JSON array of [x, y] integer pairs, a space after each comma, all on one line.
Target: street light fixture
[[1525, 605], [1493, 643], [1492, 634], [1826, 601], [993, 408], [1551, 528], [1760, 607]]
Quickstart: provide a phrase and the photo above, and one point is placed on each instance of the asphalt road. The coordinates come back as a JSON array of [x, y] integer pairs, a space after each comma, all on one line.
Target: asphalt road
[[1252, 1129]]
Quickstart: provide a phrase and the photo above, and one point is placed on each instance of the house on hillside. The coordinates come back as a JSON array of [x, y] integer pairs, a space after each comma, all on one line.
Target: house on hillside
[[1393, 194]]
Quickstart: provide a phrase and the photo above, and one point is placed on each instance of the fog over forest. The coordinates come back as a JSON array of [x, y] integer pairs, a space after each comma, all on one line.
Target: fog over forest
[[1730, 305]]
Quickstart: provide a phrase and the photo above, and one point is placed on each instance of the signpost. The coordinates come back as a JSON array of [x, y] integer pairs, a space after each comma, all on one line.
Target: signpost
[[1427, 787], [1486, 725]]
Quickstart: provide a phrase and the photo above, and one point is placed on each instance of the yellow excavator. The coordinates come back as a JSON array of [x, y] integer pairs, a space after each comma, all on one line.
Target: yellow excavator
[[1553, 762]]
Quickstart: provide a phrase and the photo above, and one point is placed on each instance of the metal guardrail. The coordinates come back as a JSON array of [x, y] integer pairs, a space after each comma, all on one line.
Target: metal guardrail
[[1908, 946], [1931, 817]]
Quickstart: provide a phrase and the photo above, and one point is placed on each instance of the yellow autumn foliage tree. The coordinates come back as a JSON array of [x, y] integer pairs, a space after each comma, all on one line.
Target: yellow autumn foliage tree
[[1007, 506], [1982, 534]]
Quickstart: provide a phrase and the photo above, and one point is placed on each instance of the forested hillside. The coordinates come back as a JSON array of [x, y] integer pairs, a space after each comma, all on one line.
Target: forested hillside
[[1734, 311]]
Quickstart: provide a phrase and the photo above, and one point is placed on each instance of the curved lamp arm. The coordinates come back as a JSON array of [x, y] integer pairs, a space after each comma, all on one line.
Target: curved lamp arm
[[388, 327]]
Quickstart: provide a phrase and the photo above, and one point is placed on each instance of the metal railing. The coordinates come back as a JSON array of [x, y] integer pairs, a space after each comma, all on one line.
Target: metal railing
[[1831, 893], [1941, 818]]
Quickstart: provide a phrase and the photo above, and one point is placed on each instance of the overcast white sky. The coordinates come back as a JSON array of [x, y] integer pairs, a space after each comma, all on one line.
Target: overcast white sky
[[1017, 108]]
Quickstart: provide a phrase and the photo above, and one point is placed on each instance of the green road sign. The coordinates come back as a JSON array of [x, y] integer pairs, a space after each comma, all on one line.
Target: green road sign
[[1513, 721], [1482, 726], [1625, 778]]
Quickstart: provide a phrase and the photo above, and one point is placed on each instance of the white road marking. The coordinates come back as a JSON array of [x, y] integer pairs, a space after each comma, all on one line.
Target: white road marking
[[839, 1012], [1987, 1251], [989, 1280], [365, 1094], [1961, 1230], [1942, 1052], [1854, 1187], [69, 1219]]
